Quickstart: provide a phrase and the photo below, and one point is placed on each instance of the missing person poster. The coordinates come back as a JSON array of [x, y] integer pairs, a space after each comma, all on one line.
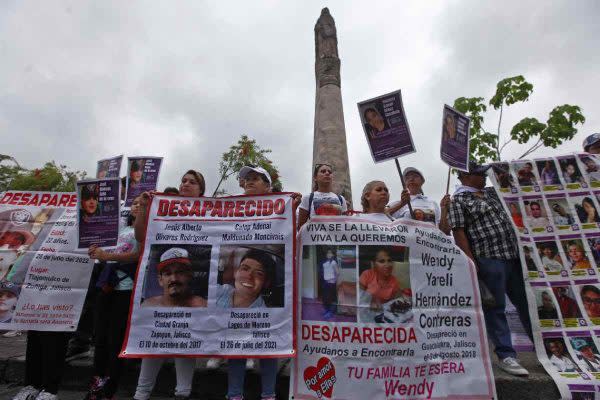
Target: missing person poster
[[43, 282], [387, 311], [109, 167], [386, 127], [98, 203], [216, 277], [560, 254], [142, 176], [455, 139]]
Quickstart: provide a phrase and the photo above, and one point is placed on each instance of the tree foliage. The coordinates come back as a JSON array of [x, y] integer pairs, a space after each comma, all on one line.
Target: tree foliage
[[51, 177], [246, 152], [486, 146]]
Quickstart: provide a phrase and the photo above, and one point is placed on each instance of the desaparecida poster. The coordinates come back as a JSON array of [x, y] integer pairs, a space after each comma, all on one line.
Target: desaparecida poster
[[42, 279], [553, 202], [387, 311], [98, 207], [109, 167], [142, 176], [216, 277], [454, 149]]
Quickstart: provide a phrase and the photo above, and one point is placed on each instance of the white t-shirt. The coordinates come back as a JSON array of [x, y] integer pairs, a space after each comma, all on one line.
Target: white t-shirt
[[378, 217], [424, 209], [324, 204], [329, 270]]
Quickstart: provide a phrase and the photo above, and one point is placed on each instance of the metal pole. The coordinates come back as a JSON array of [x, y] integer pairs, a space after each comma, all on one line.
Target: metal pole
[[448, 182], [412, 214]]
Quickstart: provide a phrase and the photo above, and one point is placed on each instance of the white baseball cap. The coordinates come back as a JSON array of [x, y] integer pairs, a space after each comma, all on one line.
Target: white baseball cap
[[259, 170], [175, 255]]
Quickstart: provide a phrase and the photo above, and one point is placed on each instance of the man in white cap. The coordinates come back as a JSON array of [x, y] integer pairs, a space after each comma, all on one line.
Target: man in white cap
[[175, 276]]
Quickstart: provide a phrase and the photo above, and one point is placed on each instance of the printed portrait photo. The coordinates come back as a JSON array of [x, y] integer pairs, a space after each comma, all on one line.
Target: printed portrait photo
[[586, 210], [562, 216], [536, 217], [559, 355], [251, 276], [545, 304], [577, 256], [9, 294], [591, 168], [594, 244], [515, 212], [136, 172], [590, 298], [503, 177], [529, 255], [550, 256], [385, 295], [570, 173], [586, 353], [103, 169], [177, 276], [524, 172], [374, 122], [329, 290], [548, 173], [566, 302], [89, 205]]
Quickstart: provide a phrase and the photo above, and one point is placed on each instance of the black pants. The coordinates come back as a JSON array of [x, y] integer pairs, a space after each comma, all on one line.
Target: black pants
[[45, 359], [329, 296], [112, 310], [85, 329]]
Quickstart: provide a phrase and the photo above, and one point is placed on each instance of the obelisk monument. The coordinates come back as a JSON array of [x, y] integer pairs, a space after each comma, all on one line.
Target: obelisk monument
[[329, 144]]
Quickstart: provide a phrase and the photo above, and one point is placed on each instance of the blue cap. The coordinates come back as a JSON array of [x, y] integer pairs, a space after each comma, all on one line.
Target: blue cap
[[590, 140]]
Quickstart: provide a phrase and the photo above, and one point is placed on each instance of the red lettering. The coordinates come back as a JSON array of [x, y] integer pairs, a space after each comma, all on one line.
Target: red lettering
[[73, 202], [53, 201], [228, 209], [195, 211], [44, 199], [173, 208], [6, 198], [36, 197], [218, 209], [64, 200], [206, 207], [16, 198], [239, 209], [25, 199], [279, 206], [163, 208], [267, 208], [184, 208], [250, 208]]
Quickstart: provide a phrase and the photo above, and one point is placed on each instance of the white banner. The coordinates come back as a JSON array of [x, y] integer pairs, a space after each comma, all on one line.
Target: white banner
[[387, 311], [216, 277], [554, 207], [43, 282]]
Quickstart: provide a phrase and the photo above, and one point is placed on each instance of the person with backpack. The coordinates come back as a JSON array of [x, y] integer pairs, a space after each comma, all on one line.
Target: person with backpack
[[114, 288], [322, 201]]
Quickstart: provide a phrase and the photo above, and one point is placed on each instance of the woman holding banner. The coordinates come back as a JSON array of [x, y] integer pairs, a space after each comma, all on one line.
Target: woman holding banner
[[112, 308], [192, 185], [424, 208]]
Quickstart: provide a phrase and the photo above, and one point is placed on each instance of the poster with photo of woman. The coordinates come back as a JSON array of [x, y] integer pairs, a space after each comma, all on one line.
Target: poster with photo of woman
[[99, 212], [578, 258], [514, 209], [549, 175], [142, 176], [586, 210], [570, 173]]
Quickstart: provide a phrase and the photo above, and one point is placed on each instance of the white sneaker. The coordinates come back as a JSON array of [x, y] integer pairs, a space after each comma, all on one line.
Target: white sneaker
[[12, 334], [250, 363], [46, 396], [512, 366], [214, 363], [27, 393]]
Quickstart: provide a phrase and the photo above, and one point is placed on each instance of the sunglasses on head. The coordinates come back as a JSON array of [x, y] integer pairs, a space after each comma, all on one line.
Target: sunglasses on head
[[317, 166]]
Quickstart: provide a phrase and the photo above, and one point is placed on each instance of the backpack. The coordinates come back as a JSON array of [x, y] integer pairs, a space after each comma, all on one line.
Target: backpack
[[312, 196]]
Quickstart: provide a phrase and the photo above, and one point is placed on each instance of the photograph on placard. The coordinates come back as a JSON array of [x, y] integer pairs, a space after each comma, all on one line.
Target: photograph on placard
[[561, 213], [526, 178], [558, 354], [593, 240], [569, 309], [550, 257], [177, 276], [251, 276], [546, 307], [586, 353], [590, 298], [549, 175], [570, 173], [99, 214], [536, 216], [385, 294], [142, 176], [514, 209], [329, 289], [530, 261], [109, 167], [454, 149], [386, 127], [590, 166], [577, 256], [585, 209], [503, 178], [9, 295]]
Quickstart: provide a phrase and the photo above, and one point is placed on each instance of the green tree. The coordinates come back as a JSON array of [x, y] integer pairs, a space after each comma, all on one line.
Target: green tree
[[486, 146], [246, 152], [51, 177]]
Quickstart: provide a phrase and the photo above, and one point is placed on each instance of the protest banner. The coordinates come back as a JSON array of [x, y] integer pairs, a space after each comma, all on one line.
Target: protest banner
[[109, 167], [98, 203], [386, 127], [142, 176], [216, 277], [41, 276], [454, 149], [560, 254], [387, 311]]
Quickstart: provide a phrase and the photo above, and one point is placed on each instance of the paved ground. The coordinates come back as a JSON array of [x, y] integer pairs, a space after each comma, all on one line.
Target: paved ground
[[211, 384]]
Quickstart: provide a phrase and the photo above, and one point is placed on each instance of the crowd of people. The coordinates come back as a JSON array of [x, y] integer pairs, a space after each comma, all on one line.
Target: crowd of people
[[473, 215]]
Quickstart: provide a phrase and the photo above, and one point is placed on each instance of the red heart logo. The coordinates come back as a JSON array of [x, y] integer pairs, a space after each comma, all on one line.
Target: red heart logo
[[321, 378]]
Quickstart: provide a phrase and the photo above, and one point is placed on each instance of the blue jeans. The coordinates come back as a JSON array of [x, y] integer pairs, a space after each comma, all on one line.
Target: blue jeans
[[236, 372], [504, 277]]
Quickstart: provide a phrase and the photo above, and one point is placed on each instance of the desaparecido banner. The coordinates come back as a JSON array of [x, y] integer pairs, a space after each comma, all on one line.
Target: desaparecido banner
[[553, 202], [216, 277], [43, 280], [387, 311]]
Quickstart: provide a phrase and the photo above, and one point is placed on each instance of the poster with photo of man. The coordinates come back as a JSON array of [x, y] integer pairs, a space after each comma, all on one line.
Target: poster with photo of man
[[386, 127]]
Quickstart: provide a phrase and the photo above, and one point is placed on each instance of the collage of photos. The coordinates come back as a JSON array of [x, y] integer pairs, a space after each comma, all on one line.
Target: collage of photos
[[248, 276], [568, 303], [365, 284]]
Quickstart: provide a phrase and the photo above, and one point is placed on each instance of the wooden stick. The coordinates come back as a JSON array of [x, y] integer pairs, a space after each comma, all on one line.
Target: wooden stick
[[412, 214], [448, 182]]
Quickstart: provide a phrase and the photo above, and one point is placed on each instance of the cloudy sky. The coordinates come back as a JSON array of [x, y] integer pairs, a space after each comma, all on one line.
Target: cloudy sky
[[82, 80]]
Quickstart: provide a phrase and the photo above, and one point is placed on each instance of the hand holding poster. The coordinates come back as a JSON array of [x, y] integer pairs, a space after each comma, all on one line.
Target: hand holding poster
[[215, 278], [41, 277], [388, 311], [386, 127], [98, 205], [142, 176], [109, 167], [455, 139]]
